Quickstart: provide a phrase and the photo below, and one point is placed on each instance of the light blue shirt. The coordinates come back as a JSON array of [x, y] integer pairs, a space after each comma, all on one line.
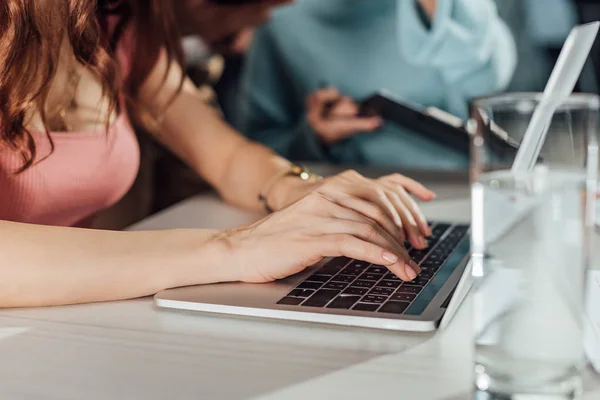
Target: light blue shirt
[[360, 47]]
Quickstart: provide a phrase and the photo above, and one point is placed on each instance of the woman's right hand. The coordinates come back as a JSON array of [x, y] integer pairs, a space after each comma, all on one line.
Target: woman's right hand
[[315, 227], [334, 117]]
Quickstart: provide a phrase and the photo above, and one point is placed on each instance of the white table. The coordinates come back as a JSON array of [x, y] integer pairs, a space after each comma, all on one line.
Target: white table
[[133, 350]]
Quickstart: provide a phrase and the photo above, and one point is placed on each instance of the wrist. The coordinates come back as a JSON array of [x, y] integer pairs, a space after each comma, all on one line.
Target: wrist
[[288, 190], [233, 249], [283, 188], [201, 259]]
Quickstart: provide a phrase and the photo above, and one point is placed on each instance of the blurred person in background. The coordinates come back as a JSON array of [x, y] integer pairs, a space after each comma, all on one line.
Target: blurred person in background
[[311, 63], [222, 29]]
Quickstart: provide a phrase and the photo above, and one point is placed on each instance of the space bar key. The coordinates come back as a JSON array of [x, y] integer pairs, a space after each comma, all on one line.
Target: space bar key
[[321, 298]]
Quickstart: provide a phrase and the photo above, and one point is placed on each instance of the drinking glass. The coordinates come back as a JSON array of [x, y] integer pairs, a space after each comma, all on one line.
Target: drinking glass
[[531, 245]]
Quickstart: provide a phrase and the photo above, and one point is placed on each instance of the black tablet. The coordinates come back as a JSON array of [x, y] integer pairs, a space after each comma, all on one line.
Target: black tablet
[[431, 122]]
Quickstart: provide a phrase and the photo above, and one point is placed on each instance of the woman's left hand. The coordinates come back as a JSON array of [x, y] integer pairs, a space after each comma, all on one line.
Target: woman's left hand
[[391, 193]]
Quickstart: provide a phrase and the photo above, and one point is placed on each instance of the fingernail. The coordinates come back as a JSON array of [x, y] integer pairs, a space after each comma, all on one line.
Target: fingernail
[[410, 272], [415, 267], [423, 242], [389, 257]]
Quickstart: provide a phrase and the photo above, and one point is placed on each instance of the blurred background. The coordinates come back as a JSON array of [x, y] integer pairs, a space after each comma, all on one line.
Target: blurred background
[[263, 65]]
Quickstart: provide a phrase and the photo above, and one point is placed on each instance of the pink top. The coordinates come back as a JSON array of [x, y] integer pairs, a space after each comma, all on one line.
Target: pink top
[[86, 172]]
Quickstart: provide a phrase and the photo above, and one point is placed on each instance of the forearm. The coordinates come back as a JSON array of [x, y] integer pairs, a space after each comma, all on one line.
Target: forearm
[[44, 265], [235, 166]]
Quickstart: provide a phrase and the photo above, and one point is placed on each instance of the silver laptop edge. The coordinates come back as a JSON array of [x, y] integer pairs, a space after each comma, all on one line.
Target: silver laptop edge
[[260, 300]]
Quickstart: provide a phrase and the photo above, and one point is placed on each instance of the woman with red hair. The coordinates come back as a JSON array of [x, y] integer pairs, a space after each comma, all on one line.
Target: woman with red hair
[[74, 74]]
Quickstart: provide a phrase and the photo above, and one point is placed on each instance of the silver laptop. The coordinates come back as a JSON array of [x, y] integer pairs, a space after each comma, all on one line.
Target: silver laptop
[[350, 292]]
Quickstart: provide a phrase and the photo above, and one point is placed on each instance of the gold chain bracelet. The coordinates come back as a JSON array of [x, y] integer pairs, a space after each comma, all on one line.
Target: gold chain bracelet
[[293, 170]]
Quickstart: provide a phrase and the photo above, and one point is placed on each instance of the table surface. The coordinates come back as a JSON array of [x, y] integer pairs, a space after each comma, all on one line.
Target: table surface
[[134, 350]]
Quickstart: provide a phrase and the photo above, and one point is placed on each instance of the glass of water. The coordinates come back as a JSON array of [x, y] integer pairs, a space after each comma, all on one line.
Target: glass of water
[[531, 246]]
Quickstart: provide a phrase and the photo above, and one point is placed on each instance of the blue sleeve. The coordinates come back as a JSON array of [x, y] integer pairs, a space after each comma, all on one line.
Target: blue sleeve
[[467, 43], [271, 113]]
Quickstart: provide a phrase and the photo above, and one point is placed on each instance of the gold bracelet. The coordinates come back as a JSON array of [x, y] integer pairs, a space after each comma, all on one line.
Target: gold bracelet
[[293, 170]]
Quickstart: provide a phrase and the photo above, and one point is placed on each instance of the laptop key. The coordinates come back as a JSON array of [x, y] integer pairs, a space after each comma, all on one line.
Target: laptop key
[[359, 264], [355, 291], [389, 284], [439, 229], [431, 263], [419, 280], [416, 252], [327, 270], [444, 249], [460, 230], [394, 307], [318, 278], [432, 270], [429, 270], [418, 255], [338, 262], [344, 302], [391, 277], [374, 299], [365, 307], [343, 278], [410, 289], [309, 285], [301, 293], [291, 301], [321, 298], [381, 291], [370, 277], [403, 296], [456, 234], [432, 240], [335, 285], [361, 283], [426, 274], [377, 269], [354, 271], [435, 257], [452, 239]]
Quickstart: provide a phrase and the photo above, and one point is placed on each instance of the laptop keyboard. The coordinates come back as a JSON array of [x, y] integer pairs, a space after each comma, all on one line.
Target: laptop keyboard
[[347, 284]]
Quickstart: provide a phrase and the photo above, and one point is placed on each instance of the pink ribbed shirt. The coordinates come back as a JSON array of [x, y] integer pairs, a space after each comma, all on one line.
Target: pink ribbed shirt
[[86, 172]]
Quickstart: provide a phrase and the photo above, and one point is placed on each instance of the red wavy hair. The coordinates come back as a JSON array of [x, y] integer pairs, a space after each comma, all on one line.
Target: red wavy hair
[[31, 32]]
